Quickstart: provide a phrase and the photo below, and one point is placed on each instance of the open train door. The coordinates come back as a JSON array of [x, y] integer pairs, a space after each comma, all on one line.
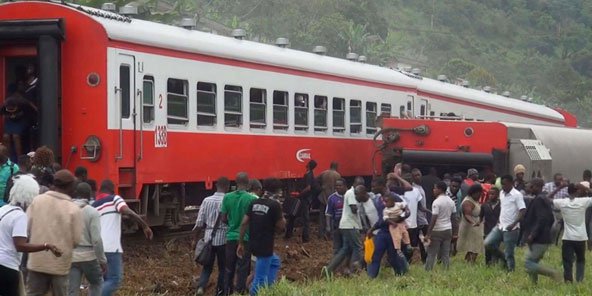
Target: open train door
[[35, 43], [125, 96]]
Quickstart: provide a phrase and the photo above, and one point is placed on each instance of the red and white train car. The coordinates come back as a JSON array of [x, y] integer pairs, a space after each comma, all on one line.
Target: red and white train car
[[163, 111]]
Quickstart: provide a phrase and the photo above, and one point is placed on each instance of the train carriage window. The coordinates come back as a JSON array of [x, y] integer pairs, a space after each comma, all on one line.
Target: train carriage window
[[386, 109], [177, 101], [280, 110], [257, 107], [301, 112], [409, 106], [206, 104], [338, 115], [402, 111], [124, 88], [233, 111], [320, 113], [371, 110], [148, 99], [355, 116]]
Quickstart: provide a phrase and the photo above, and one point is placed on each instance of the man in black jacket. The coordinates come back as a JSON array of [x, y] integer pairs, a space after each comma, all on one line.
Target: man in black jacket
[[538, 221]]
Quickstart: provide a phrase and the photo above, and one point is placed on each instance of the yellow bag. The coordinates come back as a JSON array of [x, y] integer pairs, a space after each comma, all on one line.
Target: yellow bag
[[368, 250]]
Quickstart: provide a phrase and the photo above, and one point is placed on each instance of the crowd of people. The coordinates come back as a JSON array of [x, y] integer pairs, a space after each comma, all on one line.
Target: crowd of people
[[407, 216], [55, 229]]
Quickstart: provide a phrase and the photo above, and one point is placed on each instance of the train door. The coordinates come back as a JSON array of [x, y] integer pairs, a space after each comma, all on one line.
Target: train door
[[30, 68], [126, 144]]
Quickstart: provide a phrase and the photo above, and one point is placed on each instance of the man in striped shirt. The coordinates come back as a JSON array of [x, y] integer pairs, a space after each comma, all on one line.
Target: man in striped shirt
[[209, 211], [111, 207]]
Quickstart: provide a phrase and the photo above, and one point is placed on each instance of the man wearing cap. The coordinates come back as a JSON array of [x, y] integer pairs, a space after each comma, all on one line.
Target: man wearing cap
[[519, 183], [63, 225]]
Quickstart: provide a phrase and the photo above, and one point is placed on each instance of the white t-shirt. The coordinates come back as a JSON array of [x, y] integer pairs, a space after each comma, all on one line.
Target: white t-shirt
[[110, 208], [13, 224], [511, 203], [574, 217], [412, 198], [349, 220], [444, 207]]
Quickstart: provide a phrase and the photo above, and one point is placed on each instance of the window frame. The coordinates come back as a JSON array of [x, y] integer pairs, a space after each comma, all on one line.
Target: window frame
[[303, 111], [352, 123], [150, 79], [180, 120], [371, 123], [286, 97], [263, 102], [324, 111], [338, 129], [240, 105], [125, 86], [201, 114]]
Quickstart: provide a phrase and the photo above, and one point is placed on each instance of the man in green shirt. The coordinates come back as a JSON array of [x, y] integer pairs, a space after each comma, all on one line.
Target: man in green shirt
[[234, 207]]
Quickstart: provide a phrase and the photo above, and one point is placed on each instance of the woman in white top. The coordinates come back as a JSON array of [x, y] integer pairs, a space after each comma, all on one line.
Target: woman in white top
[[13, 233]]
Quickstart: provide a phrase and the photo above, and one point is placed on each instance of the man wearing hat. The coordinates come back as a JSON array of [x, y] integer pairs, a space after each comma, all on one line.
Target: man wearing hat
[[519, 183], [63, 225]]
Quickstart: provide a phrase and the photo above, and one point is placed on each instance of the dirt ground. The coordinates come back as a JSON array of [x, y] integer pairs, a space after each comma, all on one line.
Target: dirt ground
[[165, 266]]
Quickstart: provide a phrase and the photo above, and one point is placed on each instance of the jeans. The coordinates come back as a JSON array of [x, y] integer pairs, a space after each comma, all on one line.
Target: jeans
[[240, 266], [510, 239], [337, 241], [568, 250], [383, 242], [352, 246], [266, 270], [39, 284], [114, 275], [439, 247], [91, 270], [305, 216], [533, 257], [218, 254]]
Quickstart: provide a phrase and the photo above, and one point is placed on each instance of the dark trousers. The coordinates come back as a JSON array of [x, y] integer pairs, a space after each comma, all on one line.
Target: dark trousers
[[305, 218], [383, 243], [219, 254], [337, 241], [240, 266], [416, 242], [569, 250], [9, 281], [439, 247]]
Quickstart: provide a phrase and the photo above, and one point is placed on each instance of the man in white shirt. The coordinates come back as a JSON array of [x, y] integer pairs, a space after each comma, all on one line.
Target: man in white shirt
[[439, 234], [555, 190], [349, 227], [512, 209], [575, 236]]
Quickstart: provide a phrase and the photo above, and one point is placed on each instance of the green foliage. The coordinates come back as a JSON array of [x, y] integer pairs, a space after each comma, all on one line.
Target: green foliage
[[460, 279]]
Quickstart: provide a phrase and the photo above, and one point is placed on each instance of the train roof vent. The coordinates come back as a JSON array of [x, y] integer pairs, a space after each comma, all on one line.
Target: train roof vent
[[536, 150], [282, 42], [128, 10], [524, 98], [442, 78], [416, 71], [320, 50], [239, 34], [407, 69], [465, 84], [487, 89], [506, 94], [352, 56], [188, 23], [109, 7], [362, 59]]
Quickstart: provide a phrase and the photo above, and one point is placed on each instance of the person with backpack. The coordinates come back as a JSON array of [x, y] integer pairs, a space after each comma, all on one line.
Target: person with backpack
[[7, 170]]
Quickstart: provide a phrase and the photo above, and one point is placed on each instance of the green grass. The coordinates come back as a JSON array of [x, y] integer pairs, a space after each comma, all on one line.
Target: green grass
[[460, 279]]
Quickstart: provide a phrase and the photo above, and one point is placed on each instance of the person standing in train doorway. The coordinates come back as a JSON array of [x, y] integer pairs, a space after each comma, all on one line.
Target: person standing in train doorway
[[310, 191]]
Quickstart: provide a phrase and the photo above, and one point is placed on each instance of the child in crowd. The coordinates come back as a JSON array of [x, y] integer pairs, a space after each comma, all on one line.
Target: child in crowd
[[395, 210]]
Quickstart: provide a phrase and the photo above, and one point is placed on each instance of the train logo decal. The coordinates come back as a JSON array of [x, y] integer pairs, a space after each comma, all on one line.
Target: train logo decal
[[303, 154]]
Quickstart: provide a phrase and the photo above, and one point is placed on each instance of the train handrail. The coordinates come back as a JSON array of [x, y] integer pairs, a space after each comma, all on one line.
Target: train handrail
[[120, 156], [141, 98]]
